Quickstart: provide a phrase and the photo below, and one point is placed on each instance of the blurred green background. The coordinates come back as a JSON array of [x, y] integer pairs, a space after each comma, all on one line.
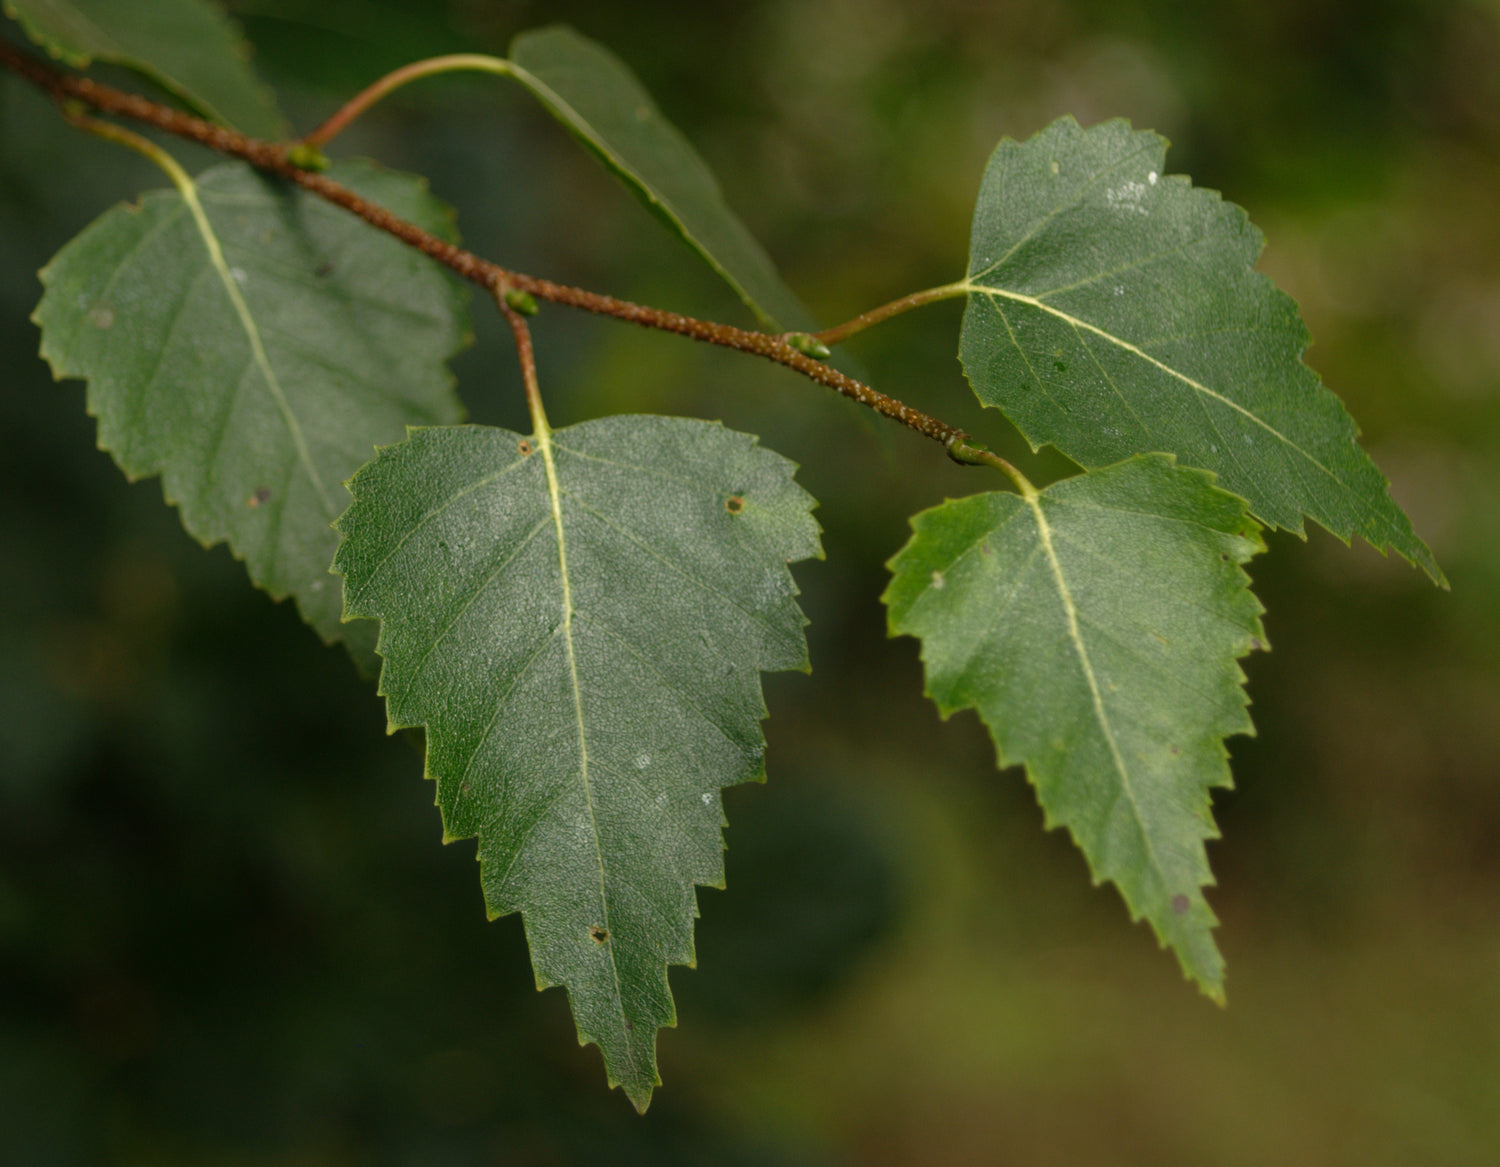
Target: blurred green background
[[228, 934]]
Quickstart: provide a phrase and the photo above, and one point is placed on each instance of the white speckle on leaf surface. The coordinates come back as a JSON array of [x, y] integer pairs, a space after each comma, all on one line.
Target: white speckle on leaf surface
[[708, 800], [642, 761], [1151, 178], [1127, 197], [238, 274]]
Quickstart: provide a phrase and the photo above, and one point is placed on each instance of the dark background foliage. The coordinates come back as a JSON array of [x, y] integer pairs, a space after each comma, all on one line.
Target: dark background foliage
[[227, 932]]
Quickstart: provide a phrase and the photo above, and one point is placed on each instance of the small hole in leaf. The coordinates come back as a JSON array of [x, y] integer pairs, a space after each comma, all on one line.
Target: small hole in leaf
[[1179, 904], [734, 504], [259, 498], [525, 447], [600, 935]]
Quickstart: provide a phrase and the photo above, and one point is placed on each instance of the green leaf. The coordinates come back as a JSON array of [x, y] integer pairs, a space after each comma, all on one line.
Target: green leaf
[[186, 46], [606, 108], [1115, 310], [579, 620], [1094, 627], [252, 345]]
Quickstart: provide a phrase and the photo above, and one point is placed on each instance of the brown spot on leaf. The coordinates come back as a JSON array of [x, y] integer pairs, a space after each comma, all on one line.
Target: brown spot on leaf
[[600, 935], [1180, 903], [525, 447], [324, 269], [734, 504], [259, 498]]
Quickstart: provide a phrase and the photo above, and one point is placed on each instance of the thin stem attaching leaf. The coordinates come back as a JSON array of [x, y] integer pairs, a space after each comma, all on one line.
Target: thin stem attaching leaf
[[967, 452], [842, 332], [131, 141], [526, 354], [360, 102]]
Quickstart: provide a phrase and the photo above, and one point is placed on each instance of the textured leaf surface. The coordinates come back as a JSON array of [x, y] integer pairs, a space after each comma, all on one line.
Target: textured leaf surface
[[1114, 310], [1095, 628], [579, 619], [188, 47], [602, 103], [256, 355]]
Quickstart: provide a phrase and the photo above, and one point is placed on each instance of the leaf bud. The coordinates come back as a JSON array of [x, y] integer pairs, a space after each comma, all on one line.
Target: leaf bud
[[519, 301], [808, 345]]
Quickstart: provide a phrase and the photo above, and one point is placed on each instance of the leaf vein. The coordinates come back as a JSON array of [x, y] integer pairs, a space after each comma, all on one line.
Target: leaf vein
[[357, 599], [1101, 714]]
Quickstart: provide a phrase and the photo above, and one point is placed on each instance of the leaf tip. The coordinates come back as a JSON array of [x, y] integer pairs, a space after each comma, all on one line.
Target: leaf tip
[[640, 1097]]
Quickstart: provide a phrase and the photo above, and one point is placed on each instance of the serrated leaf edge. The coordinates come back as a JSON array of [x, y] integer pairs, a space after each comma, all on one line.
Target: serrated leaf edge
[[1419, 555], [639, 1096], [1202, 805]]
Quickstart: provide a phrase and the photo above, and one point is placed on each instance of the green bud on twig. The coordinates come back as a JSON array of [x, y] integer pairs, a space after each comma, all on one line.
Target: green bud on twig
[[306, 157], [519, 301], [808, 345]]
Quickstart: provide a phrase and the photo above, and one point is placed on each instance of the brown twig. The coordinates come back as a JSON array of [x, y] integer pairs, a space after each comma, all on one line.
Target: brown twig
[[273, 158]]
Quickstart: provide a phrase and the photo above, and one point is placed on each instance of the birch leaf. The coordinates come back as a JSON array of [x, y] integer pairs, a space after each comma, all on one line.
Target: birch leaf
[[579, 619], [1095, 628], [1115, 310], [252, 344]]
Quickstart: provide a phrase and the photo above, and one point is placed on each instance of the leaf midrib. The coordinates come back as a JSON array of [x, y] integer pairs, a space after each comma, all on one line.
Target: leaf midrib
[[1101, 714], [1202, 389], [189, 191], [554, 496]]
